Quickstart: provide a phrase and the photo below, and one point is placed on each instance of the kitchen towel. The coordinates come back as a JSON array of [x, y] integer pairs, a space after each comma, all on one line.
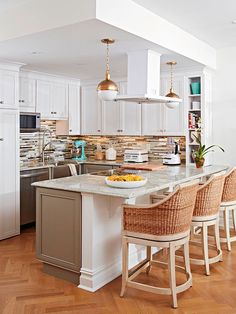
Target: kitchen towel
[[73, 170]]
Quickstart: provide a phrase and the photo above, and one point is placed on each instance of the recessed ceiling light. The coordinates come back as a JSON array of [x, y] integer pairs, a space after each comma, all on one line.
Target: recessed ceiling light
[[36, 52], [234, 22]]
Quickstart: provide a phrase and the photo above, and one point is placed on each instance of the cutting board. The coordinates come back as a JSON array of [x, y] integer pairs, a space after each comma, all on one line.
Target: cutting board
[[147, 167]]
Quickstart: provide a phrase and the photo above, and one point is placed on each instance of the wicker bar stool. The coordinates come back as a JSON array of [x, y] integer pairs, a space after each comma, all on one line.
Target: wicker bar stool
[[228, 205], [206, 213], [165, 224]]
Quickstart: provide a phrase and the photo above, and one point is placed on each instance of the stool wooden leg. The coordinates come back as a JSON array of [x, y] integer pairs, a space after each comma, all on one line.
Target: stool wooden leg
[[186, 260], [172, 276], [125, 273], [234, 218], [205, 248], [217, 239], [149, 257], [227, 228]]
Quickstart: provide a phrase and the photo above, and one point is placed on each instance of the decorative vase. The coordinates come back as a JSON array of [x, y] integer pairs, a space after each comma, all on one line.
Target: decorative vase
[[200, 163]]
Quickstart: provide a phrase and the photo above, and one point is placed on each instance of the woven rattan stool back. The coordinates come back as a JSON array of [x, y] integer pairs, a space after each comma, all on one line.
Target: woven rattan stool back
[[209, 196], [229, 190], [170, 216]]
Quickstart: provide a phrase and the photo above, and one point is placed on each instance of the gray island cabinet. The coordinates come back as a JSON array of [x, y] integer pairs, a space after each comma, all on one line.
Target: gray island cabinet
[[78, 223], [58, 229]]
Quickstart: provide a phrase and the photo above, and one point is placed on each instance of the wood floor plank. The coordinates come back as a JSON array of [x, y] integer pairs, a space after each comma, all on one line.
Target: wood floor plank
[[25, 289]]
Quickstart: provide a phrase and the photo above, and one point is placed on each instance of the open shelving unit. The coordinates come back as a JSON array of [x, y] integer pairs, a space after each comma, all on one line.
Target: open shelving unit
[[199, 120], [194, 115]]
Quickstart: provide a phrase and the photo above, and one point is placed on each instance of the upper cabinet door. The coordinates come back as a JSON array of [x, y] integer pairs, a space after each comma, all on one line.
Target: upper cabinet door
[[130, 115], [60, 100], [90, 111], [74, 109], [173, 119], [111, 118], [27, 97], [152, 123], [9, 89], [44, 99]]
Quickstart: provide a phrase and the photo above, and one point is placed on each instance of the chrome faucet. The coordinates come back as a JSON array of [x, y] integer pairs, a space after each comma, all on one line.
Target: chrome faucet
[[45, 145]]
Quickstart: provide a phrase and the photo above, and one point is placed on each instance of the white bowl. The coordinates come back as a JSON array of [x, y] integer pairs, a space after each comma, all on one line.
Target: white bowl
[[126, 184]]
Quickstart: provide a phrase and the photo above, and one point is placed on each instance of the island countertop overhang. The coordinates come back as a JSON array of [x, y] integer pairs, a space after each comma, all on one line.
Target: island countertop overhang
[[157, 180]]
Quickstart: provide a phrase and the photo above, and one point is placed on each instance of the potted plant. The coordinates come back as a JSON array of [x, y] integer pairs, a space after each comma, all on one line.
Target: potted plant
[[202, 150]]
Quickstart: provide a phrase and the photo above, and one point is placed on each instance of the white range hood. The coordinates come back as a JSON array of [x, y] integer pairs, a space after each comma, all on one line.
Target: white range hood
[[144, 79]]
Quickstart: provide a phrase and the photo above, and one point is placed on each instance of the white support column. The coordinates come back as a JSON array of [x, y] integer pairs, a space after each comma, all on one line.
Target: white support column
[[101, 241]]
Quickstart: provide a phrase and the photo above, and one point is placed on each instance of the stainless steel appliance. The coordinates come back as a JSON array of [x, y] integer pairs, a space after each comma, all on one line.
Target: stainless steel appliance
[[136, 155], [27, 193], [29, 122]]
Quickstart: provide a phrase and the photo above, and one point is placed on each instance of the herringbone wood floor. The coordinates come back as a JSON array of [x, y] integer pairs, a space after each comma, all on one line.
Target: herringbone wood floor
[[25, 289]]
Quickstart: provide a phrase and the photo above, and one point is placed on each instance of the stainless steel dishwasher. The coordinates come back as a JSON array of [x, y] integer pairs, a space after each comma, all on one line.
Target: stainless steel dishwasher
[[27, 193]]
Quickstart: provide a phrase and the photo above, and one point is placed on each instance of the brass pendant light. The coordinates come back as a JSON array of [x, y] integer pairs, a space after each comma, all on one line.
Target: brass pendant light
[[107, 89], [172, 94]]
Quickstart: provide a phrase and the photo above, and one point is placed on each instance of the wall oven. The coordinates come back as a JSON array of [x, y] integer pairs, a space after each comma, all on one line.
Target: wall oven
[[29, 122]]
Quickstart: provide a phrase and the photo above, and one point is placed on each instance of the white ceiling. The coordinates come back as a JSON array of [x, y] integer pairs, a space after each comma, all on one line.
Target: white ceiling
[[9, 4], [76, 50], [208, 20]]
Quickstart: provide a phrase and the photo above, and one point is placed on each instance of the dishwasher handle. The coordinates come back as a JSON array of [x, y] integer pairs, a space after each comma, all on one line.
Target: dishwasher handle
[[31, 175]]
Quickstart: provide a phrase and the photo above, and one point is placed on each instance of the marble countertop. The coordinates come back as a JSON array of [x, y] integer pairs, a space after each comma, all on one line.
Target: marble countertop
[[157, 180]]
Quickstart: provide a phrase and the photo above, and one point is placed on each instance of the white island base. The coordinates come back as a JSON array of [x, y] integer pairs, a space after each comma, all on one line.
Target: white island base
[[101, 240]]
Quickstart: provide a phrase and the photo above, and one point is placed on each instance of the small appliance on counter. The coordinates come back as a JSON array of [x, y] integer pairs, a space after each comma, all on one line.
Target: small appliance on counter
[[111, 153], [136, 155], [78, 152], [173, 158]]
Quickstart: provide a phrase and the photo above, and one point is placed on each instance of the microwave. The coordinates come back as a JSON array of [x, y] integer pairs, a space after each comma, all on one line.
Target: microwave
[[29, 122]]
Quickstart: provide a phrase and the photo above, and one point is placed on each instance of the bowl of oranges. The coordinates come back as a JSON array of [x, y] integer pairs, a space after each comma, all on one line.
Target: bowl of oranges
[[126, 181]]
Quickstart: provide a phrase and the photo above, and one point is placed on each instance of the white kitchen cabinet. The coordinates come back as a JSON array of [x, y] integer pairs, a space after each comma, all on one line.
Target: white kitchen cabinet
[[44, 99], [130, 115], [152, 119], [111, 118], [9, 89], [9, 170], [60, 100], [121, 117], [52, 99], [27, 98], [173, 119], [158, 119], [91, 111], [71, 126]]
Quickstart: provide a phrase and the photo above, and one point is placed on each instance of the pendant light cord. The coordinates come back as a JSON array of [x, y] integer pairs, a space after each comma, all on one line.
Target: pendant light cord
[[171, 77], [107, 65]]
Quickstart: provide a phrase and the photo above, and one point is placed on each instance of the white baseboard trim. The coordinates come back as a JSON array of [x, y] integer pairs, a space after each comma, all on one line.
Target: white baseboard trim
[[92, 280]]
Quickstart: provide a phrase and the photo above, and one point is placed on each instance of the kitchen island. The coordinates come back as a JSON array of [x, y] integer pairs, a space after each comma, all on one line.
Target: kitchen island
[[78, 223]]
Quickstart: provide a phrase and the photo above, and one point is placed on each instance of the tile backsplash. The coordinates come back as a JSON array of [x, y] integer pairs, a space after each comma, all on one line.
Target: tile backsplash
[[60, 148]]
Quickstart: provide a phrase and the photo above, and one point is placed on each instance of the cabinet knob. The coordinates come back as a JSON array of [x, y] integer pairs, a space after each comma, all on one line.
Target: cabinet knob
[[22, 100], [99, 130], [1, 139], [19, 100], [1, 102], [70, 130], [121, 130], [51, 112]]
